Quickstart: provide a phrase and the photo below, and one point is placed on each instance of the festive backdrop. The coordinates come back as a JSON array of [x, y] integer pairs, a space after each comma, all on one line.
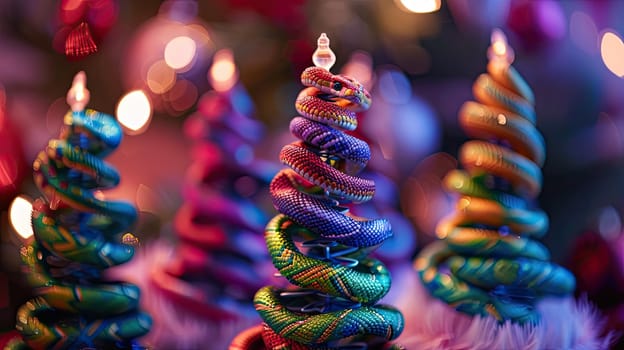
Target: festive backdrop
[[148, 63]]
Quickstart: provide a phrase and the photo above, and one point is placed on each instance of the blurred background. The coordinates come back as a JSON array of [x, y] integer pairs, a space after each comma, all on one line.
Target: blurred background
[[153, 62]]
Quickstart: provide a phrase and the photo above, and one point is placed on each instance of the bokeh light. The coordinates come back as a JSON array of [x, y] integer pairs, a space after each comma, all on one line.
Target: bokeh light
[[180, 52], [420, 6], [612, 51], [147, 200], [609, 223], [500, 50], [160, 77], [134, 112], [181, 97], [20, 213], [223, 72], [173, 46]]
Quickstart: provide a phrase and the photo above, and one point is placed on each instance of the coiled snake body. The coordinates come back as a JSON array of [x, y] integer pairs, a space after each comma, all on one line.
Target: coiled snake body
[[76, 237], [339, 285], [496, 266]]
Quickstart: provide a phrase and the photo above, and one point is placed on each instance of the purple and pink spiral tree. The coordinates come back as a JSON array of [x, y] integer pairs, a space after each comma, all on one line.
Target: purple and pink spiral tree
[[315, 243], [199, 291]]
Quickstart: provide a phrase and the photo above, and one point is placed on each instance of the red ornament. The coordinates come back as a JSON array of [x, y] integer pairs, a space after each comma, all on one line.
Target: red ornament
[[83, 24]]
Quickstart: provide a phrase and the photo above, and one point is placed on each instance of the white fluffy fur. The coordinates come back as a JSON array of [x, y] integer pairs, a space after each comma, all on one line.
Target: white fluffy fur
[[430, 324], [175, 328]]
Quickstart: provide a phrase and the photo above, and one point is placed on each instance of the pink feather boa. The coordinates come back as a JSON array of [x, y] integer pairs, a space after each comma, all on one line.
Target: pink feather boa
[[430, 324], [176, 328]]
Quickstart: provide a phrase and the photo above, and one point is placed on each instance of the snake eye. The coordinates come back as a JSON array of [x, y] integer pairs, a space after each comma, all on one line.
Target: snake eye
[[337, 86]]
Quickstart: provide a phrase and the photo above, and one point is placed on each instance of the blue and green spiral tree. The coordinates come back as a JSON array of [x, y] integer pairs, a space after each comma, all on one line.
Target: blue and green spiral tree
[[77, 235]]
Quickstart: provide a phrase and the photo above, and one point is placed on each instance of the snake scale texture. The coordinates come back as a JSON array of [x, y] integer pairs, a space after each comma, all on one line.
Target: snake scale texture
[[77, 237], [315, 243], [220, 257], [490, 262]]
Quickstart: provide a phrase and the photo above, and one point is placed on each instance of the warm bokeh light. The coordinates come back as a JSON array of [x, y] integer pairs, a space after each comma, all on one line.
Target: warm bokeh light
[[182, 96], [223, 73], [20, 213], [134, 111], [148, 200], [420, 6], [612, 51], [71, 10], [78, 95], [69, 5], [160, 77], [180, 52], [499, 49], [130, 239]]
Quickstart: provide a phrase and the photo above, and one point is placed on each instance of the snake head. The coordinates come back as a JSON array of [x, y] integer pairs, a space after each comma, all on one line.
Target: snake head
[[340, 86], [350, 89]]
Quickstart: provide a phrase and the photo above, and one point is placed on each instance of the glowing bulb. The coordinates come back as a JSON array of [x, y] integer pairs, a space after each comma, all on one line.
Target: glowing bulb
[[223, 73], [323, 57], [160, 77], [78, 95], [500, 50], [612, 52], [20, 213], [134, 111], [421, 6], [180, 52]]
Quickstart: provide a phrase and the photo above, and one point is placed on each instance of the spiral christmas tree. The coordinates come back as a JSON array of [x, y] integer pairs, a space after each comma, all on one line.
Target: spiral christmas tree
[[314, 242], [488, 263], [203, 293], [76, 238], [497, 266]]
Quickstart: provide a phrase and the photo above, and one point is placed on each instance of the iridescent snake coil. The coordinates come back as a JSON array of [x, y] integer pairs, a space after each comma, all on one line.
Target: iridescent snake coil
[[220, 259], [489, 262], [76, 238], [315, 243]]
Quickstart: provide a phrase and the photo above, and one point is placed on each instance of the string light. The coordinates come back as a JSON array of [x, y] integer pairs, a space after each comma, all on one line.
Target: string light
[[223, 73], [420, 6], [20, 213], [134, 111], [612, 52]]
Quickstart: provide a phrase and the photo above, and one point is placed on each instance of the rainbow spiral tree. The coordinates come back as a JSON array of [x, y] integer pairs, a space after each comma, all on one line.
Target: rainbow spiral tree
[[76, 238], [220, 260], [490, 262], [315, 243]]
